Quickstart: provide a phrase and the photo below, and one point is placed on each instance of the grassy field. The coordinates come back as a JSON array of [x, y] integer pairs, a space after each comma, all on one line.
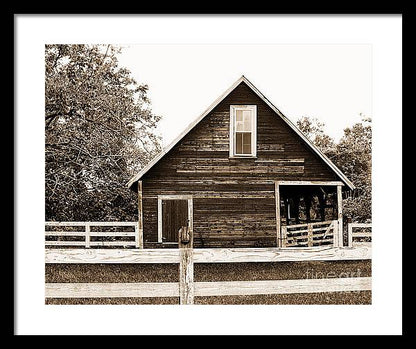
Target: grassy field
[[215, 272]]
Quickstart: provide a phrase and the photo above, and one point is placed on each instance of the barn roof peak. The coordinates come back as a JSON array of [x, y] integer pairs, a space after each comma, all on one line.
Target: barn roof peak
[[244, 79]]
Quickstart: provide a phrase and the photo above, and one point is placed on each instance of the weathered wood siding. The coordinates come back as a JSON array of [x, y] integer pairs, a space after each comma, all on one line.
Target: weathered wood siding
[[233, 197]]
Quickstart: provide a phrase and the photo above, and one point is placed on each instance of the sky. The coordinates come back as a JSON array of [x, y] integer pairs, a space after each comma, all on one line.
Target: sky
[[330, 82]]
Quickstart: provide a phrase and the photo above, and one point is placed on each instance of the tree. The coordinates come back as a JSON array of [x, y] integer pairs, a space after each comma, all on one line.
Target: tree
[[352, 155], [313, 129], [99, 130]]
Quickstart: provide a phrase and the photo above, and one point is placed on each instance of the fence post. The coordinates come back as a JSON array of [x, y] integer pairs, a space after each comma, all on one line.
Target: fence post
[[87, 235], [335, 234], [283, 239], [349, 225], [186, 266], [138, 236], [310, 235]]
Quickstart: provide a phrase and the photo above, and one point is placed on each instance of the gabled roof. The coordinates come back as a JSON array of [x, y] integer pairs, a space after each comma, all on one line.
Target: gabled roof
[[218, 101]]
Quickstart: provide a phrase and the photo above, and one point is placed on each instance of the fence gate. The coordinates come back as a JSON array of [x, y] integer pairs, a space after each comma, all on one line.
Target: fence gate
[[311, 234]]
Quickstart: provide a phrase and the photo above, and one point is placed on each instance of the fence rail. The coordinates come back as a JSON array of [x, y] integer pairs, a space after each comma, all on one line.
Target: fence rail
[[111, 238], [206, 289], [206, 255], [358, 234]]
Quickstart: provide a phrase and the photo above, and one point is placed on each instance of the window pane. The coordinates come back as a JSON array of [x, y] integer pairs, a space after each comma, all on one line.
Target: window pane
[[239, 143], [239, 126], [239, 118], [247, 120], [246, 143]]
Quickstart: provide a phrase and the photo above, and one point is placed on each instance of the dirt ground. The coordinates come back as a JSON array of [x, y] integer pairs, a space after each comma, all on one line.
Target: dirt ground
[[215, 272]]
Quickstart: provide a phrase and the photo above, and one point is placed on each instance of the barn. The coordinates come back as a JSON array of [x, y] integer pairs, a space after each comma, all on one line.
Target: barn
[[241, 175]]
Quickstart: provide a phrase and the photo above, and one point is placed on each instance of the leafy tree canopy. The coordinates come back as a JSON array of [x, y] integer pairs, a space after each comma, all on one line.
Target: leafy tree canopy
[[352, 155], [99, 130]]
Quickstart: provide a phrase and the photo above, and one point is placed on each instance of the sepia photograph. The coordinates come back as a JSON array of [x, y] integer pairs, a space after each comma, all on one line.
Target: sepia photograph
[[243, 205]]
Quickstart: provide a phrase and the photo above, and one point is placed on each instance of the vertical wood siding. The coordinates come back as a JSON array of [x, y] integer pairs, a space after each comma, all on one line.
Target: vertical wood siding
[[233, 197]]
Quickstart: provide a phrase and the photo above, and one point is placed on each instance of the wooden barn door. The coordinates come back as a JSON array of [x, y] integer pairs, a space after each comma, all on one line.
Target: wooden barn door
[[174, 216]]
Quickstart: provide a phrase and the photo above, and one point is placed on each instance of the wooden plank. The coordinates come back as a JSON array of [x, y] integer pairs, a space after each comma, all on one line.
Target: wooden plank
[[65, 224], [292, 232], [331, 183], [91, 243], [340, 223], [112, 224], [65, 243], [361, 244], [316, 243], [306, 224], [226, 195], [277, 200], [174, 197], [92, 233], [111, 290], [139, 227], [222, 255], [65, 233], [321, 235], [207, 255], [116, 256], [112, 233], [280, 161], [360, 234], [361, 225], [206, 289], [236, 288], [209, 169], [330, 227], [112, 243], [81, 224]]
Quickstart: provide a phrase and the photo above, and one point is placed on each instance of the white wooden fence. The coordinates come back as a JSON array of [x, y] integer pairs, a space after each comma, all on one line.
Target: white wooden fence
[[358, 234], [88, 238], [186, 289], [224, 288]]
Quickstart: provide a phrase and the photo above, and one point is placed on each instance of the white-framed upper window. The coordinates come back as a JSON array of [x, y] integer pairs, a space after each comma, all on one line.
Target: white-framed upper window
[[243, 130]]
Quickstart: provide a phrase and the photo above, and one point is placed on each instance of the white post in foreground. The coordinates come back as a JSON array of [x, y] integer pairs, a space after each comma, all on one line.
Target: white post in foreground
[[186, 266]]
